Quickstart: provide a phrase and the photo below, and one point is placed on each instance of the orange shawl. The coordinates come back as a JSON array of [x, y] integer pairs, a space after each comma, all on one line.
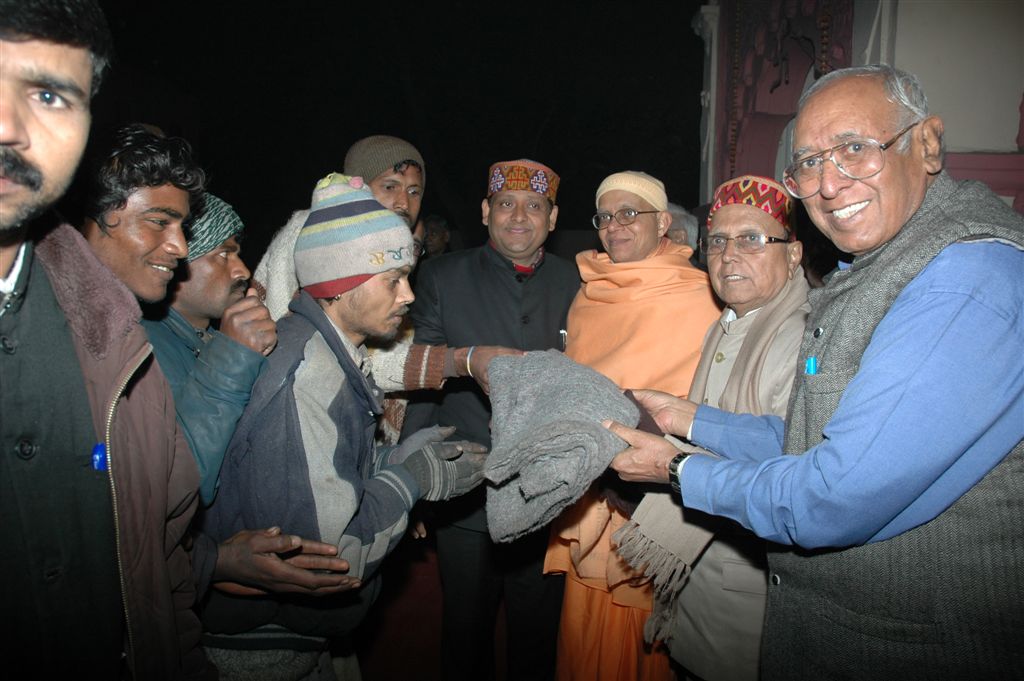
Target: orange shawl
[[641, 324]]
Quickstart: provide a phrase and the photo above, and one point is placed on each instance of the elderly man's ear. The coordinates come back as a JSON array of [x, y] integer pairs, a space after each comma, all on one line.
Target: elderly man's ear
[[931, 144], [664, 222], [794, 255]]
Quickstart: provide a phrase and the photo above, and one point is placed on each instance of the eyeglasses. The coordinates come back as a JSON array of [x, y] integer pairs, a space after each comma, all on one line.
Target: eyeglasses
[[714, 244], [623, 216], [857, 159]]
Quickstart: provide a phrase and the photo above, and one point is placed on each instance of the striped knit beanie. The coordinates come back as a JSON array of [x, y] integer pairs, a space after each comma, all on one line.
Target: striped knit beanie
[[759, 192], [348, 238], [371, 156], [218, 223]]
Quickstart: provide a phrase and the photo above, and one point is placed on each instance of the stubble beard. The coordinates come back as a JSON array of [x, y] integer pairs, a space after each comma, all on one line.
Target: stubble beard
[[16, 169]]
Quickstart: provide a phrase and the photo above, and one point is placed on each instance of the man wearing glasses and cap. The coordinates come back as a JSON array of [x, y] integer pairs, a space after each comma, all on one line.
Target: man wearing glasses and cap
[[896, 475], [639, 319]]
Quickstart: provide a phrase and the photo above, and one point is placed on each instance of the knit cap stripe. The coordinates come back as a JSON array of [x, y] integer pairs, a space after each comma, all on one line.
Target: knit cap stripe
[[352, 229], [366, 249], [330, 200]]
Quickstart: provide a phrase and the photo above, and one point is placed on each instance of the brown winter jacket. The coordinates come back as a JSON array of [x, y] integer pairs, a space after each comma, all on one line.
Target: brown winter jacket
[[153, 477]]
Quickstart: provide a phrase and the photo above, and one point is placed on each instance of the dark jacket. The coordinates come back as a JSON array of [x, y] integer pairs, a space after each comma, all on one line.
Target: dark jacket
[[153, 477], [211, 382], [302, 458], [476, 297]]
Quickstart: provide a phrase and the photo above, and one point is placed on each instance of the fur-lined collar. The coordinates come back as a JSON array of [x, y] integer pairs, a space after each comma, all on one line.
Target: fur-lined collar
[[100, 309]]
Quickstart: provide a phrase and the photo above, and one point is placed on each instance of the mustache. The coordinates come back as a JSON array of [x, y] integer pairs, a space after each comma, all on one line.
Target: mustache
[[404, 214], [240, 286], [15, 168]]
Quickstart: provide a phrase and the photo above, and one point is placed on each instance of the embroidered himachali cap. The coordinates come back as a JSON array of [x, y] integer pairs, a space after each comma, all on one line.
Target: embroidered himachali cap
[[759, 192], [348, 238], [218, 223], [647, 187], [376, 154], [522, 175]]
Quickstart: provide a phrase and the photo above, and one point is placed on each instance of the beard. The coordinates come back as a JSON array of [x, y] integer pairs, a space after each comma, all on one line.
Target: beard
[[16, 169], [386, 335]]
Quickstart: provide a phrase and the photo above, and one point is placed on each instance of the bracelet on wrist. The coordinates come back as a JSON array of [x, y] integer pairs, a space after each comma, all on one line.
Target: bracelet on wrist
[[469, 371]]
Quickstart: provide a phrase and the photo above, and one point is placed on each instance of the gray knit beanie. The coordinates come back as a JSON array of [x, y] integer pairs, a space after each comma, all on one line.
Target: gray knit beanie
[[217, 224], [371, 156]]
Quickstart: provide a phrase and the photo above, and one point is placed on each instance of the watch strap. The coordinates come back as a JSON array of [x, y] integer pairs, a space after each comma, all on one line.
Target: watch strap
[[673, 470]]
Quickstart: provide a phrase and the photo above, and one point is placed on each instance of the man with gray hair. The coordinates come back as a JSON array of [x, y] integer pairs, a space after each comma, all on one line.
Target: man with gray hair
[[896, 476]]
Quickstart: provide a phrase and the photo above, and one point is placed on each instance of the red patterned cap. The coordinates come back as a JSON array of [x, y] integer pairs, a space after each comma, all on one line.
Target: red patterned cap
[[522, 175], [759, 192]]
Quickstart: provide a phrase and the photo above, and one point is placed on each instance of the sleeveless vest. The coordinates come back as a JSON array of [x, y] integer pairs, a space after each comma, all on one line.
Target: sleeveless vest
[[945, 599]]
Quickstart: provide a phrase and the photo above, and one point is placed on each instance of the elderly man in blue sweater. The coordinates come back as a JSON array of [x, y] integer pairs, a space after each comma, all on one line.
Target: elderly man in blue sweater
[[894, 484]]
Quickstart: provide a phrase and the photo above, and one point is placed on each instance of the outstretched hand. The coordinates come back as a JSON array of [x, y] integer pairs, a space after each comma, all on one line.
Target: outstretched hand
[[480, 362], [255, 562], [647, 457], [672, 414]]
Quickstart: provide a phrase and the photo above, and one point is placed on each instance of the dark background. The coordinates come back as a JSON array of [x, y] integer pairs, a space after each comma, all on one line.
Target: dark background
[[271, 95]]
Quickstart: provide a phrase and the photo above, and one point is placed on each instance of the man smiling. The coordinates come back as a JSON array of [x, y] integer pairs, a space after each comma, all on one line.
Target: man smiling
[[508, 292], [140, 196], [900, 493], [638, 319]]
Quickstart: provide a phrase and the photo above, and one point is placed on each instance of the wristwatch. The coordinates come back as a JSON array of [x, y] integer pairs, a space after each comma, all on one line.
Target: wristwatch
[[673, 470]]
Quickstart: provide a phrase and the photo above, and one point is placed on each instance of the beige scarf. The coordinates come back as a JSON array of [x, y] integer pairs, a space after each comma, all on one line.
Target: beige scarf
[[658, 539]]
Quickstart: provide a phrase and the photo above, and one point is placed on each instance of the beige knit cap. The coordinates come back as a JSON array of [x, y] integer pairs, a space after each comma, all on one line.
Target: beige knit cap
[[650, 189]]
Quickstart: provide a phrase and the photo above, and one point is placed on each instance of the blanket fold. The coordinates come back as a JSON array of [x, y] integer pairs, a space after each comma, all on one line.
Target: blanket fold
[[548, 443]]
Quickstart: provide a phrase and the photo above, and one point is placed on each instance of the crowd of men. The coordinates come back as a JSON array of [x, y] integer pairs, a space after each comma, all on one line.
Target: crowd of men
[[204, 468]]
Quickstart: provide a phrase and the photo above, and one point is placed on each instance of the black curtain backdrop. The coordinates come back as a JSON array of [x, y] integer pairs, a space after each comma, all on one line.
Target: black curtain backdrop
[[271, 95]]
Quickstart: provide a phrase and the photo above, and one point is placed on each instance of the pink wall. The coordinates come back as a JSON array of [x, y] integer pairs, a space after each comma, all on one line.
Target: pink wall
[[766, 51]]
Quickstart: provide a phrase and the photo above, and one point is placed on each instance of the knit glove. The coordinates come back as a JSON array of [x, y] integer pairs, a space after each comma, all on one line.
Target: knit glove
[[445, 472], [431, 437]]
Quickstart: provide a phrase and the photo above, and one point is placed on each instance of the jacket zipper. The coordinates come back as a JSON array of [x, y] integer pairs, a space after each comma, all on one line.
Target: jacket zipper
[[113, 489]]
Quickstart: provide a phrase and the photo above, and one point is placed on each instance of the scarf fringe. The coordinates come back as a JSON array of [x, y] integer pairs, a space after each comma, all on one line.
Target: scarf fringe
[[667, 572]]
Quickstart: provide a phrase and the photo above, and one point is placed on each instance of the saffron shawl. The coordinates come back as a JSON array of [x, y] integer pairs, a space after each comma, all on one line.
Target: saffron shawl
[[640, 324]]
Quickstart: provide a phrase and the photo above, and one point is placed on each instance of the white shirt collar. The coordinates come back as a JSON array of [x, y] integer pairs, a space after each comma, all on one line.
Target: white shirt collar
[[7, 283]]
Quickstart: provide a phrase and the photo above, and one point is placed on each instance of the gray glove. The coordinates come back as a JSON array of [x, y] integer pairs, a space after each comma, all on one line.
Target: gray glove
[[446, 471], [424, 437]]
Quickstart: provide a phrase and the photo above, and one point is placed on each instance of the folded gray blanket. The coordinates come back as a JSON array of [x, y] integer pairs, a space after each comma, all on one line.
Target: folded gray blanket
[[547, 441]]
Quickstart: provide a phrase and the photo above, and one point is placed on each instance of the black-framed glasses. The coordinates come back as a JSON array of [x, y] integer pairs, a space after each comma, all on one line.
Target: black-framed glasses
[[857, 159], [754, 242], [623, 216]]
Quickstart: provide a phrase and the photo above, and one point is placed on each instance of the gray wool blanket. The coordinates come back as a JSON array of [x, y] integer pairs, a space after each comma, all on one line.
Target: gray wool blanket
[[548, 443]]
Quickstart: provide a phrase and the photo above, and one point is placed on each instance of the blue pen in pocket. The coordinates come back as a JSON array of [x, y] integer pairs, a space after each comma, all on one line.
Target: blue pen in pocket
[[99, 457]]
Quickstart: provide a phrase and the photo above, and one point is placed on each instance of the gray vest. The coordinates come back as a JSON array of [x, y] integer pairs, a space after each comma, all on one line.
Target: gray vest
[[946, 599]]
